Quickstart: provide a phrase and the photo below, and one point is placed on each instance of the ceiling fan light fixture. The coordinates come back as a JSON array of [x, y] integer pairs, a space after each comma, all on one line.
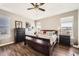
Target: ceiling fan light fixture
[[37, 6]]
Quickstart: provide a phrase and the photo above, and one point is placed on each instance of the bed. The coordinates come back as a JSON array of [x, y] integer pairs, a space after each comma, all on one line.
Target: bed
[[41, 43]]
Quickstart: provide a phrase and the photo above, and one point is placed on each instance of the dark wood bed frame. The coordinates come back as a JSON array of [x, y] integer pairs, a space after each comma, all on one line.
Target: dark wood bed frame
[[43, 47]]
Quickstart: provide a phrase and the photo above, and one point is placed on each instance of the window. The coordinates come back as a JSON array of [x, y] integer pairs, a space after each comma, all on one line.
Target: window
[[67, 26], [4, 26]]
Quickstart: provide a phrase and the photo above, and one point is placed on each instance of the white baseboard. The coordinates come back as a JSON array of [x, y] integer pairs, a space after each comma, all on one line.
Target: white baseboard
[[6, 44]]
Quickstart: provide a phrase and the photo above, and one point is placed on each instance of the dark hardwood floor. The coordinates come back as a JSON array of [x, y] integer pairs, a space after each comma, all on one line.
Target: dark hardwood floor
[[62, 50], [18, 49]]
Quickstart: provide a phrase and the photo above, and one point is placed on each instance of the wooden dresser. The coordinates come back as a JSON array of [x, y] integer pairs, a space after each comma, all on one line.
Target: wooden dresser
[[19, 34]]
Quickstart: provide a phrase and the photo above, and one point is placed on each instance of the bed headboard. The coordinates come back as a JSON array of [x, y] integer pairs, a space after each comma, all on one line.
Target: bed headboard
[[45, 31]]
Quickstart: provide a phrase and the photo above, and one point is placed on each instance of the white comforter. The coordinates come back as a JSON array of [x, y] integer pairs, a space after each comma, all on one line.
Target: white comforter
[[53, 39]]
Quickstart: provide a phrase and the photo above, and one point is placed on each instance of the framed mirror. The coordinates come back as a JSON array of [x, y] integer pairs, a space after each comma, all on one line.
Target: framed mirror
[[18, 24]]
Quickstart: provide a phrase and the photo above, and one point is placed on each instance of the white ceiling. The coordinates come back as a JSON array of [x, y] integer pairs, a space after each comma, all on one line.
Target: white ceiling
[[51, 9]]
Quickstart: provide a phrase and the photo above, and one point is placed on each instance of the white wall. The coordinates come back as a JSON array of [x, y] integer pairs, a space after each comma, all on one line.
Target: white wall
[[50, 23]]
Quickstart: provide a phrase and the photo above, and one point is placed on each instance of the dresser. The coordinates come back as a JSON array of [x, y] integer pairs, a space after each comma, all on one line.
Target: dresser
[[19, 34], [64, 39]]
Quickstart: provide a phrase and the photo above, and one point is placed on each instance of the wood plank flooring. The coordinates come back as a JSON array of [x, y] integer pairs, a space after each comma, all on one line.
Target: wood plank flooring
[[18, 49], [61, 50]]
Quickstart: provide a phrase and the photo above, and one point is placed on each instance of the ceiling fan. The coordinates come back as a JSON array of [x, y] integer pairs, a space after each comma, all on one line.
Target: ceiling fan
[[37, 6]]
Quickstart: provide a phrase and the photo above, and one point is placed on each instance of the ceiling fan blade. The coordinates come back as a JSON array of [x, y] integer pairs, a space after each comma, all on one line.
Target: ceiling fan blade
[[42, 4], [30, 8], [33, 4], [41, 9]]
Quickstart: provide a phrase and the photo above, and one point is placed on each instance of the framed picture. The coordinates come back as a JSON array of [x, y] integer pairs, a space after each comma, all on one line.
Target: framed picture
[[27, 25], [18, 24]]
